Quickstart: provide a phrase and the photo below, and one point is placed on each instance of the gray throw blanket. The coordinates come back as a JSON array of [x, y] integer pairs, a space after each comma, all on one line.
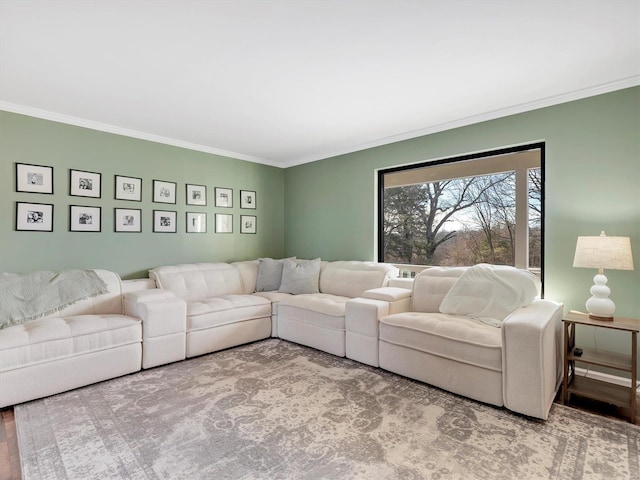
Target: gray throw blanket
[[25, 296]]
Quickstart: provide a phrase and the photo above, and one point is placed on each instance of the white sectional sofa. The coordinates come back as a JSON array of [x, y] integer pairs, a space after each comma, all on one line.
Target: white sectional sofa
[[478, 332], [225, 309], [485, 337], [92, 340]]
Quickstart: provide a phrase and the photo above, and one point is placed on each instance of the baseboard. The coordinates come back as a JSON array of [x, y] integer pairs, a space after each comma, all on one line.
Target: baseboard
[[605, 377]]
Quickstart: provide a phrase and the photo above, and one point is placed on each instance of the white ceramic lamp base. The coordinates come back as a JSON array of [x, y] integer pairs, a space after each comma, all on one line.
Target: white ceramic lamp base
[[600, 306]]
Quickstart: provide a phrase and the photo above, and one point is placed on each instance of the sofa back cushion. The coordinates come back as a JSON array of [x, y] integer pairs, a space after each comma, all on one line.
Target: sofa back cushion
[[197, 281], [249, 272], [431, 285], [352, 278], [106, 303]]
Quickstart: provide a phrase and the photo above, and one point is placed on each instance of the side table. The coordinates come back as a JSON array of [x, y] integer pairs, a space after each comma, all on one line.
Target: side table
[[618, 395]]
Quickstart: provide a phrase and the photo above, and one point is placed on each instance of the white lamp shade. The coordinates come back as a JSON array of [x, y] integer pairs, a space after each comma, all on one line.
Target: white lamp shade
[[603, 252]]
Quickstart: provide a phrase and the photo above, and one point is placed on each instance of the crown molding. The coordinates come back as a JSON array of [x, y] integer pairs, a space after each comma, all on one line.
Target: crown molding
[[491, 115], [482, 117], [104, 127]]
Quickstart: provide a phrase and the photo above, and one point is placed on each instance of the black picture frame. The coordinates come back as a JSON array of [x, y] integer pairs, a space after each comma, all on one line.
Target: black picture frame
[[128, 188], [127, 220], [34, 178], [164, 192], [224, 197], [83, 218], [34, 217], [165, 221], [248, 224], [85, 184], [224, 223], [248, 199], [196, 194], [196, 222]]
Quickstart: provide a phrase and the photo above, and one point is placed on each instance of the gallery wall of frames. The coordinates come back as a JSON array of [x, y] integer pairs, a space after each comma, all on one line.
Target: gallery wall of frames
[[37, 216]]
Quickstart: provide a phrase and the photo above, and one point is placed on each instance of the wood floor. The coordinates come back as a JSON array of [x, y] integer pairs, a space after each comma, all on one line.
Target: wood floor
[[10, 459]]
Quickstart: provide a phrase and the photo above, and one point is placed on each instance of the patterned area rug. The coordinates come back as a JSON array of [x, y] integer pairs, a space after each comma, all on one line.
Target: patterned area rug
[[276, 410]]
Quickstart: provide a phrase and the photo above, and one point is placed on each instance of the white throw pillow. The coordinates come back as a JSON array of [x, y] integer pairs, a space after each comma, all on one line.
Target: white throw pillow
[[300, 276], [490, 292]]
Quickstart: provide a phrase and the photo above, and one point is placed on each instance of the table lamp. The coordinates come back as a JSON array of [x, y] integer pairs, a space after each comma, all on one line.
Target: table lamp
[[602, 252]]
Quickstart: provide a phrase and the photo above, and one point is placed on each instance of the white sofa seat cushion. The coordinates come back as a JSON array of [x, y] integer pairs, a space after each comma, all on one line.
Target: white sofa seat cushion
[[319, 309], [462, 339], [48, 339], [215, 311], [275, 298]]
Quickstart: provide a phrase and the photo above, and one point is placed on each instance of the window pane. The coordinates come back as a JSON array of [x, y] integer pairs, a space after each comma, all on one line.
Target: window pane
[[535, 217], [455, 222], [474, 209]]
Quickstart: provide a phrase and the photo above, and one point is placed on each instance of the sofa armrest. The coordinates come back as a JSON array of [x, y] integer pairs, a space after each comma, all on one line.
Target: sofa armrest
[[388, 294], [401, 282], [164, 324], [532, 358]]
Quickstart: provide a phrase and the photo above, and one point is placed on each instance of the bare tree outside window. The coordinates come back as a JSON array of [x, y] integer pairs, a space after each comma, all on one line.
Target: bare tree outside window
[[462, 221]]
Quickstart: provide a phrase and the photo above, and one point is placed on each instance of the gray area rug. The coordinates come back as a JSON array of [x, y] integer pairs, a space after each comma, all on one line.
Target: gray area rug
[[276, 410]]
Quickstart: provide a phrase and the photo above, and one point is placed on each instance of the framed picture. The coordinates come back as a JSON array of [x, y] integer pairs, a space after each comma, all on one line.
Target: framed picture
[[248, 199], [128, 188], [248, 223], [224, 197], [196, 222], [164, 221], [34, 217], [164, 192], [34, 178], [127, 220], [84, 219], [224, 223], [84, 184], [196, 194]]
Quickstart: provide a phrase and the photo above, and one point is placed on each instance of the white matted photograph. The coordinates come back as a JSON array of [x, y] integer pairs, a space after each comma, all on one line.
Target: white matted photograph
[[164, 221], [224, 197], [128, 220], [196, 222], [128, 188], [248, 199], [84, 184], [196, 194], [224, 223], [164, 192], [85, 219], [248, 223], [34, 217], [34, 178]]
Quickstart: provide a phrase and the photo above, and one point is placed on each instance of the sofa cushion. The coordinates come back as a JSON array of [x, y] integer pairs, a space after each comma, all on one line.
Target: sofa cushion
[[49, 339], [490, 292], [300, 276], [274, 298], [431, 285], [461, 339], [319, 309], [214, 311], [352, 278], [269, 274], [197, 281]]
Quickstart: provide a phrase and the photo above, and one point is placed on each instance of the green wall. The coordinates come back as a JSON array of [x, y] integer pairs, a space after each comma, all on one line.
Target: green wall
[[592, 184], [25, 139]]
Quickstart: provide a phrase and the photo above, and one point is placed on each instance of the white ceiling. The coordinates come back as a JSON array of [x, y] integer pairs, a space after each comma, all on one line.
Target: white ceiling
[[284, 82]]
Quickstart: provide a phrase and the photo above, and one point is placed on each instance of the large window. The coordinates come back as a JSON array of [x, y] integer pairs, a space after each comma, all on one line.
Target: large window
[[480, 208]]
